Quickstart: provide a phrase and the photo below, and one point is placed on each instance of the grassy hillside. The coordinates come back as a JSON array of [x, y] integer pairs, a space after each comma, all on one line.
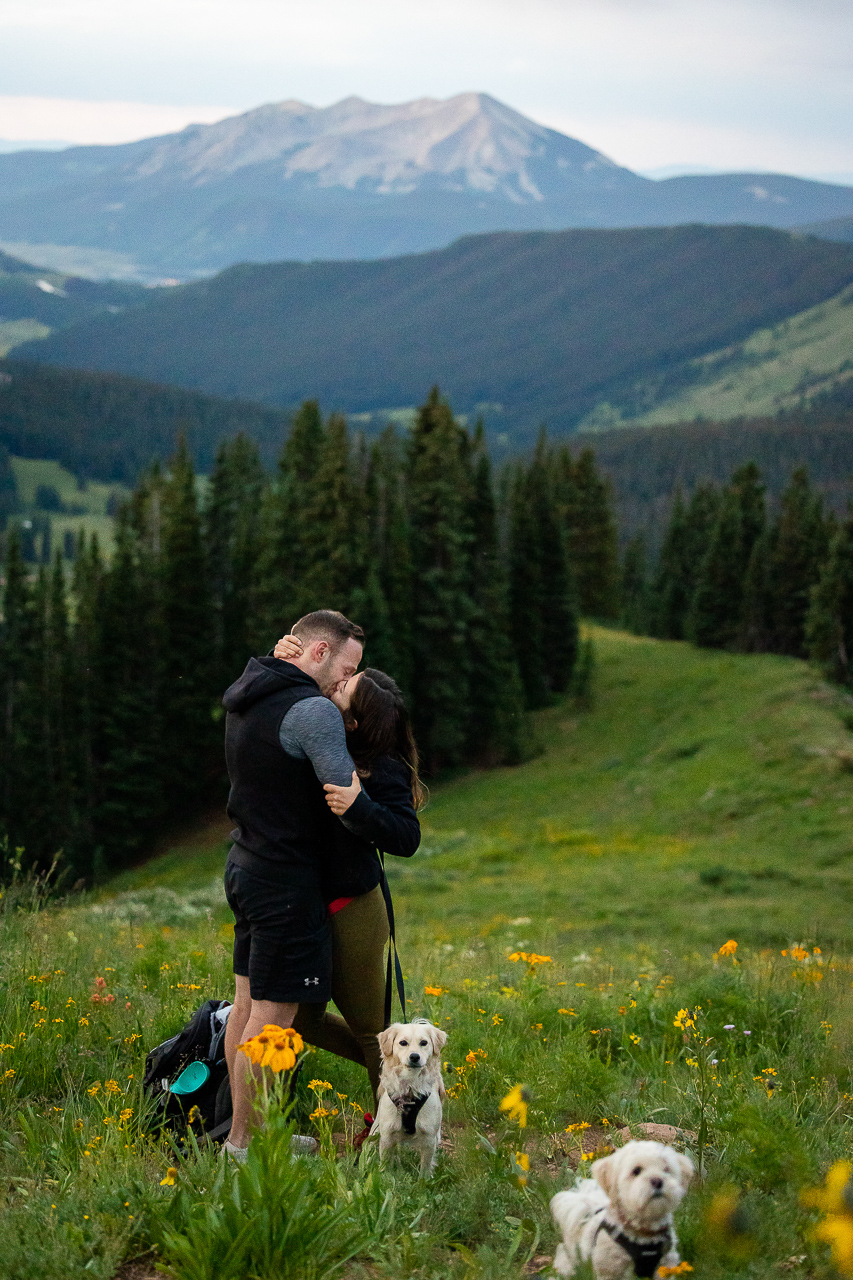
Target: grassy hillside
[[704, 798], [696, 794], [34, 301], [86, 507], [777, 368], [523, 327]]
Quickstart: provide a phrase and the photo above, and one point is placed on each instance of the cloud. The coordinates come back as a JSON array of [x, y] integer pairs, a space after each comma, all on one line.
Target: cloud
[[763, 83], [33, 119]]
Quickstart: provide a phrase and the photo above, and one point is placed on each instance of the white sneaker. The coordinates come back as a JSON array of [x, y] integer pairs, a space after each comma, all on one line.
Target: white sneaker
[[237, 1154]]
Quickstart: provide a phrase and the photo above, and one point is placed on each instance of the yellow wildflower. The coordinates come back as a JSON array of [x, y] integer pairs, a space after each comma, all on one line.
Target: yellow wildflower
[[128, 1112], [728, 948], [579, 1127], [684, 1019], [317, 1085], [516, 1103], [837, 1227], [274, 1047], [435, 991], [570, 1013], [680, 1270], [169, 1180], [522, 1166], [112, 1086]]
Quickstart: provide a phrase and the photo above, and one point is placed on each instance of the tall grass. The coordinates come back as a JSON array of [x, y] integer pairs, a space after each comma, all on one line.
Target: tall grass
[[633, 1011]]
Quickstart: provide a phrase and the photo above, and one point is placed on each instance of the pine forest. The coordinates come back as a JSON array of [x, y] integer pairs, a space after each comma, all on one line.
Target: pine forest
[[468, 585]]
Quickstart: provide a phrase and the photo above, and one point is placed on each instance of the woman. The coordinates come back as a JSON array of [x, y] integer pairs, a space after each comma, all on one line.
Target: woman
[[378, 813]]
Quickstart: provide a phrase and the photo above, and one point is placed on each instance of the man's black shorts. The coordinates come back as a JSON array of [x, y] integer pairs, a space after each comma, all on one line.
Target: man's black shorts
[[282, 938]]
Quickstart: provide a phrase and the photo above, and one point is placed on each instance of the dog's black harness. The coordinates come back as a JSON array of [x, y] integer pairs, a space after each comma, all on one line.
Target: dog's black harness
[[409, 1109], [645, 1255]]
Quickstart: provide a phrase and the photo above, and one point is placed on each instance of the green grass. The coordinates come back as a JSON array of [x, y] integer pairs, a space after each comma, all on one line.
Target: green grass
[[774, 369], [14, 332], [91, 501], [703, 797]]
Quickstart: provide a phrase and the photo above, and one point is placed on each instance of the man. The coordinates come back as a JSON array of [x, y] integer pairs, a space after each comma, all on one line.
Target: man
[[283, 740]]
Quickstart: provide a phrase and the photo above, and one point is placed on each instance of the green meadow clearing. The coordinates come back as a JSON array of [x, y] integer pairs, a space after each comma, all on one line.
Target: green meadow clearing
[[701, 798]]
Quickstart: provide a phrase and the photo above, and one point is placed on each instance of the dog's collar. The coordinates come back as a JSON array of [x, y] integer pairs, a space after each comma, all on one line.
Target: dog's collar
[[409, 1109], [645, 1254]]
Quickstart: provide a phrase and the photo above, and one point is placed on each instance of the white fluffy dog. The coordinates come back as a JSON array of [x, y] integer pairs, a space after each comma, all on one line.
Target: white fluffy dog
[[411, 1090], [621, 1217]]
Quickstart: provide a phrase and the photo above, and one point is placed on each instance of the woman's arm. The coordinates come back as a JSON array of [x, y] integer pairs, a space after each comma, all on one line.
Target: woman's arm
[[382, 811]]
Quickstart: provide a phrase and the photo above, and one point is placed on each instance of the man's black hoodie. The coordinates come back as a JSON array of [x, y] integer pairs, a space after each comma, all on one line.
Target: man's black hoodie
[[282, 822]]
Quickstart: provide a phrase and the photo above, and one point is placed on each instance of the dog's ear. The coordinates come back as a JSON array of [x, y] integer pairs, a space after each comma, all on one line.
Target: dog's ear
[[604, 1172], [685, 1168], [438, 1038], [386, 1039]]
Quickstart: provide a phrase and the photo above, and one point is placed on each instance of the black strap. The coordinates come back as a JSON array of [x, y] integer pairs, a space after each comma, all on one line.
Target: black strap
[[645, 1257], [392, 951], [409, 1109]]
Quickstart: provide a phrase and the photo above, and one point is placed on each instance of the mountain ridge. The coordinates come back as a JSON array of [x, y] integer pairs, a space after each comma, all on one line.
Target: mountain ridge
[[360, 180], [523, 327]]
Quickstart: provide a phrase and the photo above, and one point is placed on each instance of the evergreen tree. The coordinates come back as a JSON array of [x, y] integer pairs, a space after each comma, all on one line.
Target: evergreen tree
[[441, 606], [285, 534], [130, 763], [496, 733], [542, 590], [57, 730], [829, 622], [800, 548], [634, 593], [190, 739], [593, 547], [332, 555], [232, 533], [21, 729], [756, 629], [85, 700], [390, 555], [526, 589], [8, 489], [715, 618]]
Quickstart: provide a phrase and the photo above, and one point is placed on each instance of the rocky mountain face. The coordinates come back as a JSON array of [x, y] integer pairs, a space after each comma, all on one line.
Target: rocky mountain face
[[358, 180]]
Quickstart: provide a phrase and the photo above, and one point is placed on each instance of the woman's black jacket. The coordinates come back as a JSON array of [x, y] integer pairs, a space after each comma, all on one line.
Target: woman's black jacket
[[382, 818]]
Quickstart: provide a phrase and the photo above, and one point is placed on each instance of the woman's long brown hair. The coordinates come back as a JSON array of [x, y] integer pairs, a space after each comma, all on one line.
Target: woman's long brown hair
[[382, 728]]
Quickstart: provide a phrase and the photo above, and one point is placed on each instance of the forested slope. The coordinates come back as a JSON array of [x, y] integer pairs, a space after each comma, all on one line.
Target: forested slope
[[110, 428], [523, 327]]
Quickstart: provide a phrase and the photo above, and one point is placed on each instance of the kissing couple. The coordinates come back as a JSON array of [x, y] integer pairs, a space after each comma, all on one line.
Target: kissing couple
[[323, 768]]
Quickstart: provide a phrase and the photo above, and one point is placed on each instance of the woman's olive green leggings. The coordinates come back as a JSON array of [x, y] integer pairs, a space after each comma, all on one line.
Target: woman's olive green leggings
[[359, 934]]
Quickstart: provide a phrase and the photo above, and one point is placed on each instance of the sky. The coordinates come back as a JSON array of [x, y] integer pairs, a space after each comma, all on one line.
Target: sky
[[744, 85]]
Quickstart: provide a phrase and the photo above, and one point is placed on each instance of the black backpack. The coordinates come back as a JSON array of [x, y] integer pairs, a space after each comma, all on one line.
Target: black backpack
[[189, 1071]]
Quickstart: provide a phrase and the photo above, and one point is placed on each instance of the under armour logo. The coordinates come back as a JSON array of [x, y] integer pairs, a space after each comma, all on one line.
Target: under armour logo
[[308, 982]]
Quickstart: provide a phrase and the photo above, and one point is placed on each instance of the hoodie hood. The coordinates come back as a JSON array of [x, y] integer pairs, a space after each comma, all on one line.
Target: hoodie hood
[[263, 677]]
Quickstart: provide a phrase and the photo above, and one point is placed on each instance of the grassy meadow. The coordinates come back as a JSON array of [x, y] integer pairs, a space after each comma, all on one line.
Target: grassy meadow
[[557, 921], [87, 508], [775, 368]]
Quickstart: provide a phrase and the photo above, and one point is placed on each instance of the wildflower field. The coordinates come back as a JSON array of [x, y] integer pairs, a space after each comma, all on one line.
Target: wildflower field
[[650, 923]]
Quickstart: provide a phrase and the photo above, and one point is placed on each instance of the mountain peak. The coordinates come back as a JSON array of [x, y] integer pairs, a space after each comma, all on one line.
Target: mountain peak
[[468, 142]]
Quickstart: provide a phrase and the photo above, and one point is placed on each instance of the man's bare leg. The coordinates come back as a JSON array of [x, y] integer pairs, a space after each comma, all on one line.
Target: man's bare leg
[[247, 1018]]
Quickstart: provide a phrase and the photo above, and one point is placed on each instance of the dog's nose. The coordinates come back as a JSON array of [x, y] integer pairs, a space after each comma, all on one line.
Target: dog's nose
[[657, 1183], [414, 1059]]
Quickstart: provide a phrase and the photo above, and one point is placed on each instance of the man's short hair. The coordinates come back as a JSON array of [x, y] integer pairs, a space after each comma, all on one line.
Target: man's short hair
[[327, 624]]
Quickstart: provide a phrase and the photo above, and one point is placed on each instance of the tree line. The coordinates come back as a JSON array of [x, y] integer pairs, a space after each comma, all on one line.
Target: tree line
[[468, 586], [732, 573]]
